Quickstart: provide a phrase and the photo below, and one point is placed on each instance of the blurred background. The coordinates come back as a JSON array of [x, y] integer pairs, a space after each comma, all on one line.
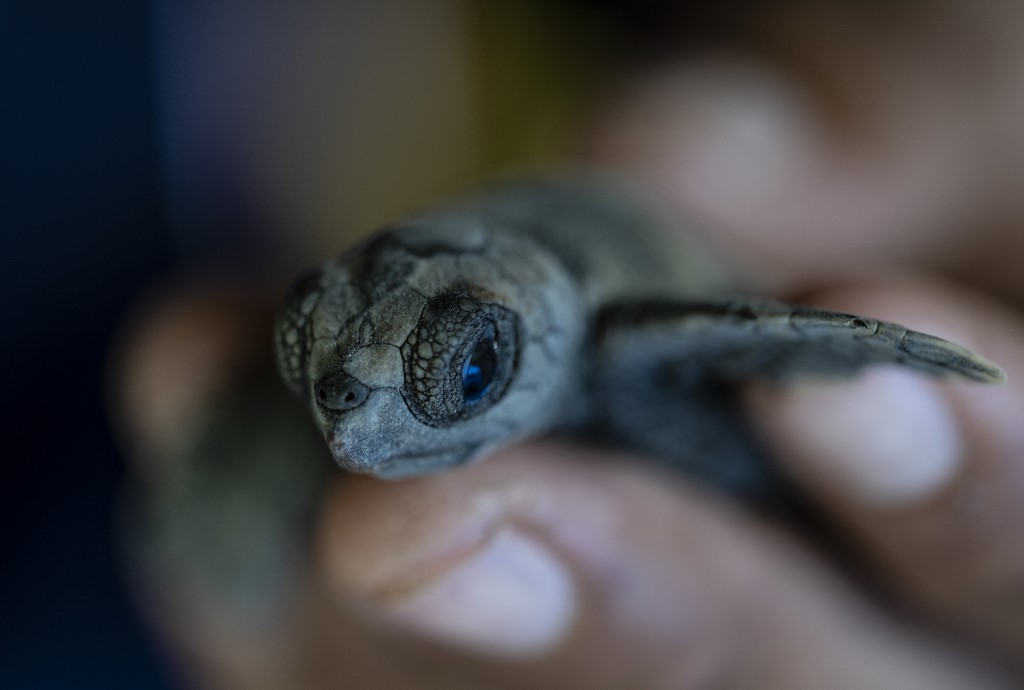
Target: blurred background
[[148, 145], [84, 231]]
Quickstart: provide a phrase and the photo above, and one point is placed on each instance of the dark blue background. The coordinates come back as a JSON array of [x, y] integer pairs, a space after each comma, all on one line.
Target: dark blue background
[[82, 233]]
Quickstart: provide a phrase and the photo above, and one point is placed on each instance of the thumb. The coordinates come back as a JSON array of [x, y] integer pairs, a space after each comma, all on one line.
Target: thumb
[[575, 571]]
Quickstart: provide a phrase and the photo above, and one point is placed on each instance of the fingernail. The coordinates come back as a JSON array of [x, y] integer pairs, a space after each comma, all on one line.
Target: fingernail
[[886, 438], [511, 599]]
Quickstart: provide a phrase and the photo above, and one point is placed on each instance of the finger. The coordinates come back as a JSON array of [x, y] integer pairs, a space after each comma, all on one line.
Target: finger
[[747, 151], [182, 346], [927, 474], [840, 141], [213, 519], [574, 571]]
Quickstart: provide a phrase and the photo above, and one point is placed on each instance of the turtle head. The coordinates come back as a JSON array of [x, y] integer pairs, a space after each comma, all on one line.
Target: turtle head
[[431, 344]]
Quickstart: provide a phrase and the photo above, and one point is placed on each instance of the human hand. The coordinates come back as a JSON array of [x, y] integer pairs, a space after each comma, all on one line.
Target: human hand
[[555, 566], [544, 566]]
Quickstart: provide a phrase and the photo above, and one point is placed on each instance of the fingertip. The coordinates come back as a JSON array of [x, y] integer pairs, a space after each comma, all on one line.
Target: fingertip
[[512, 598], [457, 559], [885, 439]]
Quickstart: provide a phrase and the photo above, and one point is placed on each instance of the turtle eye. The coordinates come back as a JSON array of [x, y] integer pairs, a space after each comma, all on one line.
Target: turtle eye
[[459, 360], [479, 367]]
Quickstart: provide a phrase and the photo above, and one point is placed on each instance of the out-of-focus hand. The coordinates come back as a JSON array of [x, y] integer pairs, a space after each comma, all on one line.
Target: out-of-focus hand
[[555, 566], [843, 138], [865, 159]]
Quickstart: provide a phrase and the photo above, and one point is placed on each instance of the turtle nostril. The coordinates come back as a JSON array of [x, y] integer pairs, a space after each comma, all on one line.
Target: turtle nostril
[[340, 392]]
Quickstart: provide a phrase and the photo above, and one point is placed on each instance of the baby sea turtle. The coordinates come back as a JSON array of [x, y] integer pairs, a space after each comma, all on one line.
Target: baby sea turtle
[[555, 306]]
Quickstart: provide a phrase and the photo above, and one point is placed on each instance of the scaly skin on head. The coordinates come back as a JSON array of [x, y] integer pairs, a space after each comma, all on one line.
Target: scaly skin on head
[[442, 339]]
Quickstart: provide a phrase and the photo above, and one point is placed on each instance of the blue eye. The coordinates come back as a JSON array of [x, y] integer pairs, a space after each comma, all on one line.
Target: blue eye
[[479, 368]]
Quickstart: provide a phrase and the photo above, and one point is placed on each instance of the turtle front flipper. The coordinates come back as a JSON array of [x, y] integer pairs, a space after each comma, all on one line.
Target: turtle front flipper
[[740, 339], [664, 373]]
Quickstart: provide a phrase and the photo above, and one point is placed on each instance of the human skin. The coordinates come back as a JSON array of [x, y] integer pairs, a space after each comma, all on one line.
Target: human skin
[[557, 566]]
